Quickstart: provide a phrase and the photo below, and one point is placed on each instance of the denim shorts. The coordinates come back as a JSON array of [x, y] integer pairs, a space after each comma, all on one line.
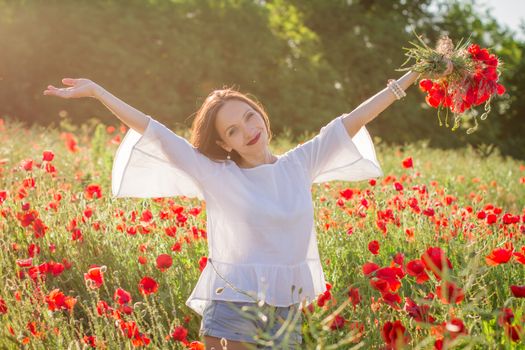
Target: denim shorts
[[223, 319]]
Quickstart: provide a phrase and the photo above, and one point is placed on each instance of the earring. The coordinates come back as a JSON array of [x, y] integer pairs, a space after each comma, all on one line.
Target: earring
[[228, 156]]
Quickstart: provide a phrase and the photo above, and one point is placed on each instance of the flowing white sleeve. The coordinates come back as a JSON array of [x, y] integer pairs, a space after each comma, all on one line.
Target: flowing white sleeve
[[334, 155], [159, 163]]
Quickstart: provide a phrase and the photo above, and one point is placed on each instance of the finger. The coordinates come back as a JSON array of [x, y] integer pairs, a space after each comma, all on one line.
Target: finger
[[68, 81], [50, 90], [449, 68], [65, 93]]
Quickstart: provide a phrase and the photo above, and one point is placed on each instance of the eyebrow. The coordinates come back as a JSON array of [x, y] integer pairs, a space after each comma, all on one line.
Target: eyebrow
[[231, 126]]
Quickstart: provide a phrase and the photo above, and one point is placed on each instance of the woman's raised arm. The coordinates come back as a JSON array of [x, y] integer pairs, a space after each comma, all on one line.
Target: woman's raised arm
[[129, 115], [376, 104]]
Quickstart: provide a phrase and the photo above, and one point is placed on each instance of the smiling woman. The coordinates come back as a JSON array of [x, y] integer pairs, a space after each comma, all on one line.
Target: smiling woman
[[262, 243], [225, 126]]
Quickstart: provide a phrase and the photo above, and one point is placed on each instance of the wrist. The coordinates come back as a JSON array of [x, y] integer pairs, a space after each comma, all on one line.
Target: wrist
[[412, 77], [97, 92]]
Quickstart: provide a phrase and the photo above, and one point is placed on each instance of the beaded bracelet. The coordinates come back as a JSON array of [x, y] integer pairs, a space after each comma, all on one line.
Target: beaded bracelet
[[396, 89]]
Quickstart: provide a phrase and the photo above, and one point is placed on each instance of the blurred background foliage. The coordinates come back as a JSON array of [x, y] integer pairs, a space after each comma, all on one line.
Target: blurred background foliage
[[305, 61]]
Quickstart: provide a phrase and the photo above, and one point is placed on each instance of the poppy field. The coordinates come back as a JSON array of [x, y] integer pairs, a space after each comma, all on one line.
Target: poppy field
[[429, 256]]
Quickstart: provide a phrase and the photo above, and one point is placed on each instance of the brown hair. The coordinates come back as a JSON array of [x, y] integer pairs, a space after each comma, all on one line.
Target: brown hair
[[203, 132]]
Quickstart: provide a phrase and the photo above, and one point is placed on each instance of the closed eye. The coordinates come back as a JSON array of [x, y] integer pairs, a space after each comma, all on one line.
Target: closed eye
[[232, 130]]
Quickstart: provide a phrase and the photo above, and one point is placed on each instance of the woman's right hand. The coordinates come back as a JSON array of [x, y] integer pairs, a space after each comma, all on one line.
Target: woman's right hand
[[77, 88]]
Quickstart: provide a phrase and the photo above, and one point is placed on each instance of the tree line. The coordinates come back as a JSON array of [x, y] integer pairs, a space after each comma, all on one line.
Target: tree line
[[305, 61]]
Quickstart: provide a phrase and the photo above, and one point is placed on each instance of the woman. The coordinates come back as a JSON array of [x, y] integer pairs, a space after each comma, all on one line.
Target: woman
[[260, 220]]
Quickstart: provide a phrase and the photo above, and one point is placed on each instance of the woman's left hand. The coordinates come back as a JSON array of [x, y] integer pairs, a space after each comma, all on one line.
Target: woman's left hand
[[450, 67]]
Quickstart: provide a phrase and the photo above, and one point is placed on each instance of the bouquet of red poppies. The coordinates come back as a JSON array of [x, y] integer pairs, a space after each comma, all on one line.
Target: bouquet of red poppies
[[456, 79]]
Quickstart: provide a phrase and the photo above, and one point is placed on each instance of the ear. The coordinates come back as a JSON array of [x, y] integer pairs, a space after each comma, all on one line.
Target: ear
[[223, 145]]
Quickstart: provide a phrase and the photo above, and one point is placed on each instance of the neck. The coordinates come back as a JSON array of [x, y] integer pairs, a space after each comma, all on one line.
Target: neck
[[265, 158]]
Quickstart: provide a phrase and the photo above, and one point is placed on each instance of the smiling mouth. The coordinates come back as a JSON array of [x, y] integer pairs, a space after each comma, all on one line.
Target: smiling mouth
[[254, 140]]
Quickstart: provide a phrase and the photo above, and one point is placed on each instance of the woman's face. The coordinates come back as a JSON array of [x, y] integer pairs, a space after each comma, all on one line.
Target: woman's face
[[238, 124]]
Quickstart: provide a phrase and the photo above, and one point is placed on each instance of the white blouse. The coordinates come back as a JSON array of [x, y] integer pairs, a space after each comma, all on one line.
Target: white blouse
[[260, 220]]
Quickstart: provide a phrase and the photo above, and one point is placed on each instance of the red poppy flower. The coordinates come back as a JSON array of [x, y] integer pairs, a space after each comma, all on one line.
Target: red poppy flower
[[93, 191], [449, 293], [203, 262], [369, 267], [90, 340], [482, 55], [88, 212], [416, 268], [381, 225], [429, 212], [518, 291], [148, 285], [39, 228], [473, 49], [177, 247], [27, 218], [379, 284], [103, 308], [418, 312], [514, 332], [129, 328], [520, 256], [500, 89], [324, 297], [56, 300], [425, 85], [179, 334], [505, 317], [140, 340], [24, 262], [171, 231], [95, 276], [55, 268], [435, 260], [391, 276], [164, 262], [146, 216], [27, 164], [455, 327], [196, 345], [399, 258], [492, 219], [509, 219], [393, 333], [499, 256], [391, 299], [353, 295], [121, 296], [3, 307], [373, 247], [398, 186], [70, 141], [407, 163], [338, 322], [347, 193], [48, 156]]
